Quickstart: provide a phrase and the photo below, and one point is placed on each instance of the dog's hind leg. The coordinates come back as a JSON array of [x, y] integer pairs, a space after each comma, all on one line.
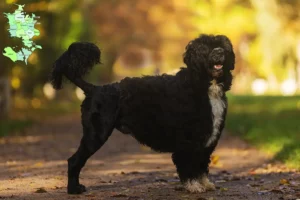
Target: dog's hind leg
[[96, 130], [192, 168]]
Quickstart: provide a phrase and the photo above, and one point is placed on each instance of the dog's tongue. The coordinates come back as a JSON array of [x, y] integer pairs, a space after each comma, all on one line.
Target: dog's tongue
[[218, 66]]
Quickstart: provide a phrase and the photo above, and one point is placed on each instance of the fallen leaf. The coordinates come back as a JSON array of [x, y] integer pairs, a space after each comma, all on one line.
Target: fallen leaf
[[41, 190], [38, 164], [223, 189], [284, 182], [215, 159], [220, 181]]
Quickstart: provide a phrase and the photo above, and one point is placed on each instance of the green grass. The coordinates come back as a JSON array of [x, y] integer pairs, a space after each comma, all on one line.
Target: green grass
[[8, 126], [21, 118], [271, 123]]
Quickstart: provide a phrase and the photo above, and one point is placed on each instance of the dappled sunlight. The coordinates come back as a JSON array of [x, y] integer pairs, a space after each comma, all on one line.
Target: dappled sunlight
[[31, 184]]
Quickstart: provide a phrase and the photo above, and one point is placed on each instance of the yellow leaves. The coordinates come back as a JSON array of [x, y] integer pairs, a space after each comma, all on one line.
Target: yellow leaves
[[156, 13], [284, 182], [38, 165], [215, 159], [223, 189], [10, 1], [16, 73], [15, 83]]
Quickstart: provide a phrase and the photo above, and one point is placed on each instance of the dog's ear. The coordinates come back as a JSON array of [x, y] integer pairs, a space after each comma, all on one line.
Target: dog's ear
[[196, 54], [227, 45]]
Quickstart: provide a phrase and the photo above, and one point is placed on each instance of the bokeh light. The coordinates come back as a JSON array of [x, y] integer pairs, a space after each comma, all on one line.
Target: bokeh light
[[15, 83], [259, 86], [79, 94], [49, 92], [289, 87]]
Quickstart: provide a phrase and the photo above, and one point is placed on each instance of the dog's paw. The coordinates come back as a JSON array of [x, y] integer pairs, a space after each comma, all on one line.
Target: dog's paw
[[209, 186], [194, 186], [78, 189]]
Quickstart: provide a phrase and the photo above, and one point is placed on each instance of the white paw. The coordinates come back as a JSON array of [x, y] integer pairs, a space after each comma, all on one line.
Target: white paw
[[207, 184], [194, 186]]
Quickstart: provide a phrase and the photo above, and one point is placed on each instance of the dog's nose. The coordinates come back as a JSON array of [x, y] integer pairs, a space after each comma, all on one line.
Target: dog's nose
[[217, 55]]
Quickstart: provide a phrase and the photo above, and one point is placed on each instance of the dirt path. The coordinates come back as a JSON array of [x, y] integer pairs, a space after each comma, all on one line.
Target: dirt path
[[33, 166]]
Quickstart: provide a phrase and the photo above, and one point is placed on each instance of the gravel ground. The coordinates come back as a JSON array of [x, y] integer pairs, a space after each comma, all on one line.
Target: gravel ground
[[33, 167]]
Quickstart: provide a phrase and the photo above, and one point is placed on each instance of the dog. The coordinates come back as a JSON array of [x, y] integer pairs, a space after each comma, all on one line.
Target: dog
[[183, 114]]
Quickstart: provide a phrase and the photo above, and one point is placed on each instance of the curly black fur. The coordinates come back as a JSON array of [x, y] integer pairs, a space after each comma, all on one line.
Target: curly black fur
[[168, 113], [77, 61]]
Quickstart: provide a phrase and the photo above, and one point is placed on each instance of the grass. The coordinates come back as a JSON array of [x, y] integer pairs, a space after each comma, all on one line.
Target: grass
[[7, 126], [21, 118], [271, 123]]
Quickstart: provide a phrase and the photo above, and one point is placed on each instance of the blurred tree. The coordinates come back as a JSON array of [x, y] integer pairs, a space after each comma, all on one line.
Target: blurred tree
[[4, 40], [56, 35], [150, 24], [272, 53], [264, 33]]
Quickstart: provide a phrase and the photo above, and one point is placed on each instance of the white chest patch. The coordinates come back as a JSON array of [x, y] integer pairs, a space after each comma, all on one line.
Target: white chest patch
[[218, 106]]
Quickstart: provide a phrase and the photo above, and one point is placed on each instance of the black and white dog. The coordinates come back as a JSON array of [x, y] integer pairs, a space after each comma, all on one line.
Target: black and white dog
[[183, 114]]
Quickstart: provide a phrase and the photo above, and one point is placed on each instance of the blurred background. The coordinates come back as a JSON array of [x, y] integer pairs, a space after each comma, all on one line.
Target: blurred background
[[141, 37]]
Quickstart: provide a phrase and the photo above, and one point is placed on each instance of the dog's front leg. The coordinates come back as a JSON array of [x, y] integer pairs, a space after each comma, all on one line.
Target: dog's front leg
[[192, 168]]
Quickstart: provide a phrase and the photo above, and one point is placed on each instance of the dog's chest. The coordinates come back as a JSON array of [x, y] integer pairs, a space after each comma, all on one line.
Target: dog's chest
[[218, 105]]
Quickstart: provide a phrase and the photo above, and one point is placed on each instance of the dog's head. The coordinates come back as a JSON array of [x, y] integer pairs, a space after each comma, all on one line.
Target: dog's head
[[212, 55]]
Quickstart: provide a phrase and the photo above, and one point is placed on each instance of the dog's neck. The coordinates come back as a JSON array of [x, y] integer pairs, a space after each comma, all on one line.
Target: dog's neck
[[215, 89]]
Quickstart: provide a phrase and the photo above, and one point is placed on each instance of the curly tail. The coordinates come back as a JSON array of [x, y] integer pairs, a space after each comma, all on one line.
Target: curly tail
[[74, 63]]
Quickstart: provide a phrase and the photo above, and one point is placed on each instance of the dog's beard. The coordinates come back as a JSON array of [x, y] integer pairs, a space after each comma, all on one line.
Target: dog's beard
[[216, 72]]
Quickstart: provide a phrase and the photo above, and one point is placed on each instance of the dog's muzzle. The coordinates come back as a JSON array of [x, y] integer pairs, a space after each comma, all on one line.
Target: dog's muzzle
[[217, 58]]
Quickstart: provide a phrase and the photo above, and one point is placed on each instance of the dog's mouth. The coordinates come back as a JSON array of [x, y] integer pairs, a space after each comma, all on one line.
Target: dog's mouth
[[218, 67]]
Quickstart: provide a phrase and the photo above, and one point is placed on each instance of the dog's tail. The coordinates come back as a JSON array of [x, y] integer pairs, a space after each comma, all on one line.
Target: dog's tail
[[74, 63]]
